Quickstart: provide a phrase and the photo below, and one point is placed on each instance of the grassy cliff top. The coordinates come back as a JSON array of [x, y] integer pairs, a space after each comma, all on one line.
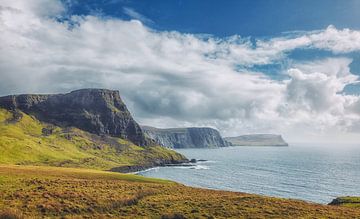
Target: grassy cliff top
[[27, 141], [55, 192], [175, 130], [257, 140]]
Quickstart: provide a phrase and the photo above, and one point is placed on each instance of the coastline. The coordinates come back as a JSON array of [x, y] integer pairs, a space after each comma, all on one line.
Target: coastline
[[131, 169], [338, 201], [274, 171]]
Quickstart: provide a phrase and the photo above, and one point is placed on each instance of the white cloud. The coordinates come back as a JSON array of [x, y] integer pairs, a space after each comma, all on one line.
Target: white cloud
[[176, 79], [331, 39], [338, 41], [35, 7], [314, 95]]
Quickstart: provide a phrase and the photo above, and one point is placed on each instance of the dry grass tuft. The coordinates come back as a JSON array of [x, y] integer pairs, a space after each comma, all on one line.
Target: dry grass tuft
[[173, 216], [11, 214]]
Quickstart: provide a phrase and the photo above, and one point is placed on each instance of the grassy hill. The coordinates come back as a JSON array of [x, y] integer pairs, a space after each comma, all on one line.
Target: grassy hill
[[35, 192], [27, 141]]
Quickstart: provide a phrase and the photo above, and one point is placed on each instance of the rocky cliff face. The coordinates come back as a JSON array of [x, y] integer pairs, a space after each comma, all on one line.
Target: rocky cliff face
[[97, 111], [186, 137], [257, 140]]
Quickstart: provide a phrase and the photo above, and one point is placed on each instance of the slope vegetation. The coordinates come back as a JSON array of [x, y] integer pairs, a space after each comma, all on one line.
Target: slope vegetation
[[27, 141]]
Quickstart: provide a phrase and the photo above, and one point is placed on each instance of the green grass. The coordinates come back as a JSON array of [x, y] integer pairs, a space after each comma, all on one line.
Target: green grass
[[23, 142], [58, 192], [19, 171]]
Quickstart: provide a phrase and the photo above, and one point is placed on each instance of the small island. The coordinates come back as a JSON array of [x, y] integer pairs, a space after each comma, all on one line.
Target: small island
[[257, 140], [348, 201]]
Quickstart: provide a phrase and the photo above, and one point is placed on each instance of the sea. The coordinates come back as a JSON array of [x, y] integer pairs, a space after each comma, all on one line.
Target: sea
[[301, 171]]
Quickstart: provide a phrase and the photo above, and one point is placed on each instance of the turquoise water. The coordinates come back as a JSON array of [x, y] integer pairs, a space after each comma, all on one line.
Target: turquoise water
[[316, 174]]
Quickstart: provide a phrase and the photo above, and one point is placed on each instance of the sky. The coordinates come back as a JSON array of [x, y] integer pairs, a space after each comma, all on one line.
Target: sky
[[242, 67]]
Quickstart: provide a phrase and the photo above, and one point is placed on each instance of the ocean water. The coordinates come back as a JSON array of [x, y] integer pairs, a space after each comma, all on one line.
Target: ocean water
[[316, 174]]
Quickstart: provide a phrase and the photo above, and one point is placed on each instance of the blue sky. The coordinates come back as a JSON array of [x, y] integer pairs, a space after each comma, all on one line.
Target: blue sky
[[287, 67], [261, 18]]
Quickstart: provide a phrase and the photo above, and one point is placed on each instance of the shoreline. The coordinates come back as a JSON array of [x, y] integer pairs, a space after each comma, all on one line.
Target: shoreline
[[331, 201], [138, 168]]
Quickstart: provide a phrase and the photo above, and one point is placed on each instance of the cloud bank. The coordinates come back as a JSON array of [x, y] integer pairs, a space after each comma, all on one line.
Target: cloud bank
[[173, 79]]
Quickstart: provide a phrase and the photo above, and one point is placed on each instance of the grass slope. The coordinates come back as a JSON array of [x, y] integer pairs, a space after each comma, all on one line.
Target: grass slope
[[27, 191], [25, 140]]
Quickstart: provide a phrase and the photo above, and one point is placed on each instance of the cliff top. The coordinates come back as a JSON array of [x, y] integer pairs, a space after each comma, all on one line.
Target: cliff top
[[150, 128], [257, 140]]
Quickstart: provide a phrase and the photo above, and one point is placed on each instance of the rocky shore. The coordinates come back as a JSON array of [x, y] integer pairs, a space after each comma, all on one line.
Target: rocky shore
[[174, 163], [163, 163], [349, 201]]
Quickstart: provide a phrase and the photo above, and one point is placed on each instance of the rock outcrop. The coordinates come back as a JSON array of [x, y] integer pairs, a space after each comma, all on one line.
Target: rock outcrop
[[186, 137], [97, 111], [349, 201], [257, 140]]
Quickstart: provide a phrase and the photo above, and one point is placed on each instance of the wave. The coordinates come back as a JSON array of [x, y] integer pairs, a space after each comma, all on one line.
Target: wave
[[146, 170], [200, 167], [195, 167]]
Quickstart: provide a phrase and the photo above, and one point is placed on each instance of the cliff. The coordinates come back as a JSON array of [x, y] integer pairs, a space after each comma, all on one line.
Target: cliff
[[98, 111], [186, 137], [257, 140], [89, 128]]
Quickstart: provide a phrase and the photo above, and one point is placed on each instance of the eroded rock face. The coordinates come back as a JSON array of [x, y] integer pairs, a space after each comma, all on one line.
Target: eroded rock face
[[98, 111], [186, 137]]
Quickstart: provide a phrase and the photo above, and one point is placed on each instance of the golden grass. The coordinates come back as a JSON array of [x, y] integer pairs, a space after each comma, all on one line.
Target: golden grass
[[27, 191]]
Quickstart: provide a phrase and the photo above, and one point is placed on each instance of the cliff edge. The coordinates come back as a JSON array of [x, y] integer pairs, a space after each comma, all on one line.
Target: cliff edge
[[194, 137]]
